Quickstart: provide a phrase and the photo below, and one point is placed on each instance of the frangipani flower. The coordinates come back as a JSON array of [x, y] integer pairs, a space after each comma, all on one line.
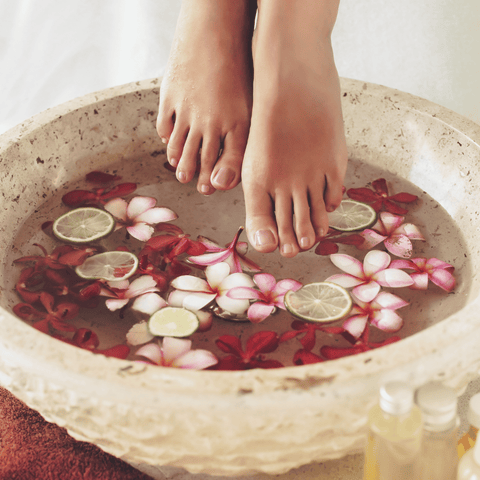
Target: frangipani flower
[[268, 297], [395, 235], [379, 198], [138, 215], [233, 254], [380, 313], [176, 352], [215, 287], [369, 277], [433, 269], [122, 291]]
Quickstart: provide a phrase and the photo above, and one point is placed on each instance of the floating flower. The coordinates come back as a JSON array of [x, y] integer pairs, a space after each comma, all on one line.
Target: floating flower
[[395, 235], [215, 287], [309, 330], [252, 357], [139, 215], [329, 244], [233, 254], [176, 352], [433, 269], [369, 277], [380, 312], [122, 291], [267, 298], [378, 198], [76, 198], [88, 340]]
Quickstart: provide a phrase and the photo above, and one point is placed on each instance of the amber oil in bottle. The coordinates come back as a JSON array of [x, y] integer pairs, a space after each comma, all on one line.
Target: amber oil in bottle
[[467, 441]]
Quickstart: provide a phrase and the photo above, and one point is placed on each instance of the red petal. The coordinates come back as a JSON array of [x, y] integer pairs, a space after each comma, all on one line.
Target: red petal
[[326, 247], [380, 186], [261, 342], [393, 208], [86, 338], [76, 257], [332, 353], [229, 344], [354, 239], [161, 242], [196, 248], [42, 326], [169, 167], [231, 362], [77, 197], [362, 194], [26, 312], [304, 357], [67, 311], [404, 197], [265, 364], [308, 341], [118, 351], [101, 177], [121, 190], [284, 337]]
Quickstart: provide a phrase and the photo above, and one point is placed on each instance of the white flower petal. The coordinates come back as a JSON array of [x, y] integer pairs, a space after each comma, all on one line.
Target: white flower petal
[[139, 205], [367, 291], [191, 284], [152, 351], [143, 284], [375, 261], [148, 303], [118, 208], [139, 334], [215, 274], [116, 303], [156, 215], [231, 305], [197, 300], [141, 231], [196, 359], [174, 347], [348, 264], [394, 278]]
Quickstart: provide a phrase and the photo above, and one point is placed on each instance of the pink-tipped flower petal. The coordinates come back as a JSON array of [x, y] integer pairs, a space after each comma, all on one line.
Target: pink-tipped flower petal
[[141, 231], [191, 284], [258, 312], [367, 291], [139, 334], [174, 348], [345, 280], [444, 279], [118, 208], [149, 303], [375, 261], [355, 325], [116, 303], [152, 352], [386, 320], [265, 281], [348, 264], [393, 278], [157, 215], [196, 360], [139, 205]]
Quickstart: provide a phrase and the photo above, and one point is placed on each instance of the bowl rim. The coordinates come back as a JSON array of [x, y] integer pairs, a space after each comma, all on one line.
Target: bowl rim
[[27, 347]]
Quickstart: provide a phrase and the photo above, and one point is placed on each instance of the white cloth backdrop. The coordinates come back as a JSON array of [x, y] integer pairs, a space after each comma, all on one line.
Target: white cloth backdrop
[[55, 50]]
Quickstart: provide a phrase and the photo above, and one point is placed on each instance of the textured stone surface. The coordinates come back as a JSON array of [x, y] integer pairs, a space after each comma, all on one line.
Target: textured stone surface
[[229, 423]]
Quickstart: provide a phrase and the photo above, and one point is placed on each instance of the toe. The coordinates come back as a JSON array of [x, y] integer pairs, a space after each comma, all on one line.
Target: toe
[[260, 223], [176, 143], [226, 173], [165, 122], [304, 229], [209, 155], [187, 164], [318, 213], [333, 194], [284, 219]]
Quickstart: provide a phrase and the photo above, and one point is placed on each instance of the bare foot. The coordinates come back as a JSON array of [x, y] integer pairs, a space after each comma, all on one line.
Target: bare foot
[[296, 155], [206, 93]]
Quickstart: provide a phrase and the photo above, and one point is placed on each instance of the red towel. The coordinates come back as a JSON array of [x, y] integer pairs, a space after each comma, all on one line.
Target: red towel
[[33, 449]]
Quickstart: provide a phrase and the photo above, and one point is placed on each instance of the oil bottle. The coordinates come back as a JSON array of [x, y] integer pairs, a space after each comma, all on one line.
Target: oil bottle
[[469, 464], [395, 433], [467, 441], [439, 458]]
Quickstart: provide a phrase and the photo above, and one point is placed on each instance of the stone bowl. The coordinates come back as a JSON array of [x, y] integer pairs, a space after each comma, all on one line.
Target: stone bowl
[[236, 423]]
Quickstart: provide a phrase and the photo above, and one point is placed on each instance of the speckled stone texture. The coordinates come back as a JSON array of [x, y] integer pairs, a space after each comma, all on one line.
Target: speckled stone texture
[[237, 423]]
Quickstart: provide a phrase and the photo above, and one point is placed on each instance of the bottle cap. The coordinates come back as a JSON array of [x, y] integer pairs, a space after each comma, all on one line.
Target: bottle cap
[[473, 415], [438, 404], [396, 398]]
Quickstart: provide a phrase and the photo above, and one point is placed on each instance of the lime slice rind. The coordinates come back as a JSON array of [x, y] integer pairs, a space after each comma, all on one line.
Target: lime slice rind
[[83, 225], [321, 302], [352, 216], [108, 266], [173, 322]]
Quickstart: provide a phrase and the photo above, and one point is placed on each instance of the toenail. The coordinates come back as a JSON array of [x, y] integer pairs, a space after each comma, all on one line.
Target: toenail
[[224, 177], [304, 242], [173, 162], [264, 238], [330, 209], [164, 140], [181, 176], [205, 189], [287, 248], [321, 232]]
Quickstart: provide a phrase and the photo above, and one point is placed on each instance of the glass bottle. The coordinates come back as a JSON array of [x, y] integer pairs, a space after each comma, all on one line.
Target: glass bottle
[[467, 441], [395, 432], [439, 458]]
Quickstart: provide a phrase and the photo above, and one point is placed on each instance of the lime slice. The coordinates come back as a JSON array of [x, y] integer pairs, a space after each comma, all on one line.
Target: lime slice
[[321, 302], [173, 322], [83, 225], [352, 215], [109, 266]]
